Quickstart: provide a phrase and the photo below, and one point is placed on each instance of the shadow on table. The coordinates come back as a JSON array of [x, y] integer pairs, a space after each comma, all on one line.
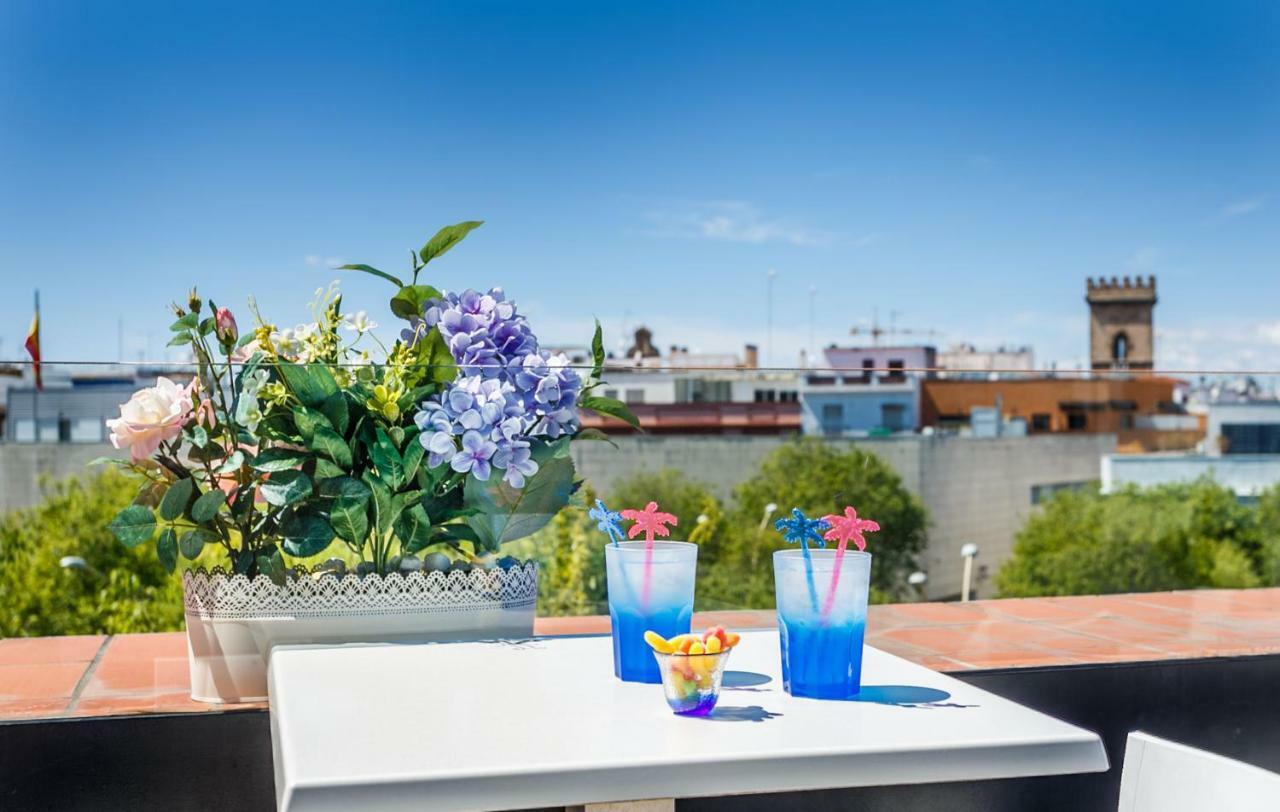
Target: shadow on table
[[744, 680], [743, 713], [906, 696]]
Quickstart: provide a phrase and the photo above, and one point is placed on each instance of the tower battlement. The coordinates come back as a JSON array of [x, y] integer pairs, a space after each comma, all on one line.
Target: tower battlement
[[1130, 289]]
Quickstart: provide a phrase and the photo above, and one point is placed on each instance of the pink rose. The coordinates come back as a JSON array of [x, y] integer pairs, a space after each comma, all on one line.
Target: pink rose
[[224, 326], [151, 417]]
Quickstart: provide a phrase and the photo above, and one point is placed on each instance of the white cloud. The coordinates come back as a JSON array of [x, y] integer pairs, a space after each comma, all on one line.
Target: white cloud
[[1241, 207], [1143, 259], [734, 221], [317, 261], [1219, 346]]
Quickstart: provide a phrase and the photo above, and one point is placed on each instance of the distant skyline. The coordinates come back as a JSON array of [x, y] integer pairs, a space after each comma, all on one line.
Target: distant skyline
[[960, 169]]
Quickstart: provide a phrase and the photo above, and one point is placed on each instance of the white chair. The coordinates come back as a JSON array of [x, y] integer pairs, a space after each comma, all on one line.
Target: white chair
[[1163, 776]]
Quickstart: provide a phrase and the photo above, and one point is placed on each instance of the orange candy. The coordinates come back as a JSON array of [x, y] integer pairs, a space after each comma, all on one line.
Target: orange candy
[[713, 641]]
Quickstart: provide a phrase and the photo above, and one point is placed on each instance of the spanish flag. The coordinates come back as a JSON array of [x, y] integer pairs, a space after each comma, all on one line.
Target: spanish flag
[[33, 344]]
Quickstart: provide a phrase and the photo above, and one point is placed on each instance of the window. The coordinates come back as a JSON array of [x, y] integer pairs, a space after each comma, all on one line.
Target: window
[[766, 395], [832, 418], [634, 396], [1251, 438], [24, 431], [788, 397], [86, 430], [896, 367], [1120, 349], [868, 367], [611, 393], [1077, 421], [1040, 422], [893, 416]]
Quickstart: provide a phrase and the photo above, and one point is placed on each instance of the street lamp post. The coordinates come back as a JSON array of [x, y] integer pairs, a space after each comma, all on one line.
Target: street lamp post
[[969, 552]]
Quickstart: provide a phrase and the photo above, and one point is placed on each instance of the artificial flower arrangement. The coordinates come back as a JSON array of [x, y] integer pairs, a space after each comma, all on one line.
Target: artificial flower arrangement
[[288, 441]]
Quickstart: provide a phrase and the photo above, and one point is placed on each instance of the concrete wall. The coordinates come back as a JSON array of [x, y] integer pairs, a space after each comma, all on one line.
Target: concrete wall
[[976, 490], [24, 465]]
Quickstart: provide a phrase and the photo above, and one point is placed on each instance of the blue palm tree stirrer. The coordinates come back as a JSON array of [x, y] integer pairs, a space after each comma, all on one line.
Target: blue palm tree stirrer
[[800, 529]]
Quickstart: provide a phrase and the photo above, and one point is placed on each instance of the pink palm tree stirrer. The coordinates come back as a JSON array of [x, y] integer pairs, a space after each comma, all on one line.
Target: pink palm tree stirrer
[[844, 529], [650, 522]]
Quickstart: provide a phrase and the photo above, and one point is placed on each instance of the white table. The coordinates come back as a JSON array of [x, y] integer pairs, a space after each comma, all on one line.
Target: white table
[[544, 723]]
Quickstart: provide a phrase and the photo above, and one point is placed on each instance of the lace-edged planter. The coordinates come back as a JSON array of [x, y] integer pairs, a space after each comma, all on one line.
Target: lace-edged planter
[[232, 621]]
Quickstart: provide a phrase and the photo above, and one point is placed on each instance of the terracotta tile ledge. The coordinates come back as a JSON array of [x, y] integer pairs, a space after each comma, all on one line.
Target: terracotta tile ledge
[[95, 675]]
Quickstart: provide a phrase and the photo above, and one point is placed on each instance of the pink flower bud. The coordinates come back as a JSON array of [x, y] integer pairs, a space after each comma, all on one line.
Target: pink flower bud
[[224, 325]]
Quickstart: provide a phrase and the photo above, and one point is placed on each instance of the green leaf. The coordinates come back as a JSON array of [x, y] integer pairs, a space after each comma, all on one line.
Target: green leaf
[[199, 437], [206, 326], [372, 270], [308, 420], [434, 353], [179, 339], [597, 352], [231, 464], [414, 529], [335, 408], [329, 443], [594, 434], [176, 498], [133, 525], [312, 383], [327, 470], [167, 549], [350, 519], [413, 454], [188, 322], [382, 509], [612, 408], [285, 488], [507, 513], [280, 459], [107, 461], [272, 566], [191, 543], [305, 534], [211, 452], [411, 299], [387, 460], [207, 506], [446, 238]]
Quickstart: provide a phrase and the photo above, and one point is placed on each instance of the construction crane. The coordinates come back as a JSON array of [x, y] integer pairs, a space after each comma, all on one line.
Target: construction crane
[[876, 332]]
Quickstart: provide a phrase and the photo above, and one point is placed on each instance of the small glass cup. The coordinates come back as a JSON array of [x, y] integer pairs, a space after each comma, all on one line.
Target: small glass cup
[[665, 606], [822, 617], [692, 681]]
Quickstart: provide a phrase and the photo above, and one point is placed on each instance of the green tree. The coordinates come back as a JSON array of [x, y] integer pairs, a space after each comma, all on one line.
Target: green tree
[[121, 590], [1178, 536], [819, 478]]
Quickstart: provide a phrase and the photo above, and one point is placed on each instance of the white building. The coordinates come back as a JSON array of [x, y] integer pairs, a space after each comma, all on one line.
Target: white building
[[967, 361]]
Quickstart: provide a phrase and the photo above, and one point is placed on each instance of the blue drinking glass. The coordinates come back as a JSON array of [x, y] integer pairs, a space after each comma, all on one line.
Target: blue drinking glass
[[821, 651], [667, 608]]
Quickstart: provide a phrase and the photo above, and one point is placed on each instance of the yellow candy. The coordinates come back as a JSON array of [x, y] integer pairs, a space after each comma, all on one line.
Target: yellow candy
[[713, 645], [697, 648], [659, 643]]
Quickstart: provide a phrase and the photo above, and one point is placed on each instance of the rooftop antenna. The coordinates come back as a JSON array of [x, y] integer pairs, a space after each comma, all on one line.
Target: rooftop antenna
[[877, 332]]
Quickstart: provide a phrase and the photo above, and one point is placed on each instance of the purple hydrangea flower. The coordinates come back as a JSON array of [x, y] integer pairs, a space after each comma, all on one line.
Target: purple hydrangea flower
[[474, 456], [507, 392]]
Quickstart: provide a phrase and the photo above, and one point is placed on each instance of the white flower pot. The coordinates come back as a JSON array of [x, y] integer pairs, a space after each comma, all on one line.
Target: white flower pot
[[233, 622]]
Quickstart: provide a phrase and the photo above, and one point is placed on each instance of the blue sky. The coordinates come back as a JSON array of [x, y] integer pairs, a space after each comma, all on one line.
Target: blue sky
[[964, 164]]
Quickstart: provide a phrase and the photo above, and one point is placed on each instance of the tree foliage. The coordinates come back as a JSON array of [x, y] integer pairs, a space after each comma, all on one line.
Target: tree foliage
[[122, 590], [1177, 536], [819, 478]]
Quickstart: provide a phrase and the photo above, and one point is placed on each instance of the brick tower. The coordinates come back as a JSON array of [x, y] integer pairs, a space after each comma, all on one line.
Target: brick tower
[[1121, 335]]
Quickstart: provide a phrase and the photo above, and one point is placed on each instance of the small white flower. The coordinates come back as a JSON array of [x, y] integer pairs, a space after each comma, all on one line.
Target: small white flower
[[360, 323]]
